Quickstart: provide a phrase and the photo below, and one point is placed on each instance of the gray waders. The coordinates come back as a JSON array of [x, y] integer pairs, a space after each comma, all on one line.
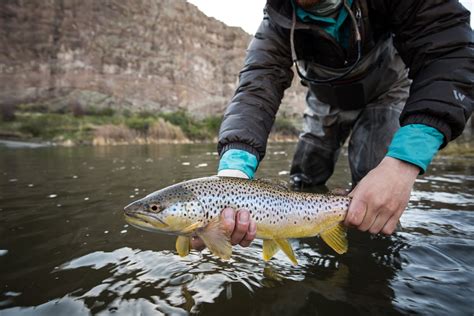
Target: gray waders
[[326, 129]]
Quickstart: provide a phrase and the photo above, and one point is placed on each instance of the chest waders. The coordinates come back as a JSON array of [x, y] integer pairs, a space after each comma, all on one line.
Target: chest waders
[[361, 102]]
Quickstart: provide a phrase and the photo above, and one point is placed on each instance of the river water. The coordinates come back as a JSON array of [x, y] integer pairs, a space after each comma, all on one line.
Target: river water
[[65, 248]]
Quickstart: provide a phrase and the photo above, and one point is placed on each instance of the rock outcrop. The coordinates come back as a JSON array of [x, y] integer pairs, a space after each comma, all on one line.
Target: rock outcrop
[[158, 55]]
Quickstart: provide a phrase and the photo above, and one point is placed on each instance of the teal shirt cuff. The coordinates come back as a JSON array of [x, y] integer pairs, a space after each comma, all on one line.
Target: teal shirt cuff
[[237, 159], [416, 144]]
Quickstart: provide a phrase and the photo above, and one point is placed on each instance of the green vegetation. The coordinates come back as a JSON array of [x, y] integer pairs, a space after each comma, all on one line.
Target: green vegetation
[[194, 129], [286, 126], [83, 126]]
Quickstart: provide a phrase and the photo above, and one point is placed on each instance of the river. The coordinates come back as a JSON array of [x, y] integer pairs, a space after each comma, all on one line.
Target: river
[[65, 248]]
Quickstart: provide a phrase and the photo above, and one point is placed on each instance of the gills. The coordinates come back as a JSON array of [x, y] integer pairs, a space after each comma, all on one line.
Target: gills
[[193, 208]]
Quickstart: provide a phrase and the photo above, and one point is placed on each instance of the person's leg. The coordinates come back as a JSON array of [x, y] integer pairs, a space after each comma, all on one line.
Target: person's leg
[[374, 128], [325, 130]]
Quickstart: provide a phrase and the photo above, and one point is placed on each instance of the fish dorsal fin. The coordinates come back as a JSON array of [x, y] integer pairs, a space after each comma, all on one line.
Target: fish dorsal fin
[[183, 245], [284, 245], [335, 237], [275, 183], [270, 248], [216, 239]]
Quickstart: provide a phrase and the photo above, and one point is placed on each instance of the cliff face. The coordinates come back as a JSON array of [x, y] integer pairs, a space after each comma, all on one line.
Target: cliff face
[[136, 54]]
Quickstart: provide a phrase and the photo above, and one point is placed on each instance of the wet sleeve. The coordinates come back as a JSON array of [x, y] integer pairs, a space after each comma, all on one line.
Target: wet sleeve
[[416, 144], [235, 159]]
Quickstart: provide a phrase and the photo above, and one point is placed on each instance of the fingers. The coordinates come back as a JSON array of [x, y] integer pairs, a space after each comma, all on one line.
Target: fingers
[[250, 235], [241, 227], [391, 224], [356, 213], [245, 229], [197, 243], [237, 224], [379, 223], [228, 220]]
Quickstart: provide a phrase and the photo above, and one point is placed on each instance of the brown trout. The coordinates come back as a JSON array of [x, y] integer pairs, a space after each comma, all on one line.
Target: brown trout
[[193, 208]]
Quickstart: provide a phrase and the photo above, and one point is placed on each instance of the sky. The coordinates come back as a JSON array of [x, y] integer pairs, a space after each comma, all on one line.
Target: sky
[[248, 13]]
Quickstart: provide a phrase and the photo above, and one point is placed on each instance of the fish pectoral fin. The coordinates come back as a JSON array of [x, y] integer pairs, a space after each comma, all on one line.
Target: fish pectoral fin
[[191, 228], [270, 248], [285, 245], [183, 245], [216, 239], [336, 238]]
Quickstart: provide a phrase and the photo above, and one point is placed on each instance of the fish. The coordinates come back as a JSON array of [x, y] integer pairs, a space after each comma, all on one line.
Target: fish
[[193, 207]]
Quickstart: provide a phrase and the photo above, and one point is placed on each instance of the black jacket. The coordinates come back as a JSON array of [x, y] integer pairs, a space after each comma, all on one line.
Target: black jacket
[[433, 38]]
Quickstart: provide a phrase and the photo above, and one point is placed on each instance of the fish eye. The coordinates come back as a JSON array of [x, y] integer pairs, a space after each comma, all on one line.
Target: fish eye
[[154, 207]]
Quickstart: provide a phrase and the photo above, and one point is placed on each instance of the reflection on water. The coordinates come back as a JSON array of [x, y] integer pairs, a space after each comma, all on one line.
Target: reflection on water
[[65, 248]]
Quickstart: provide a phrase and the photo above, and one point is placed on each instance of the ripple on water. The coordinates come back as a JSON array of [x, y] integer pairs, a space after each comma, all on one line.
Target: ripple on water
[[426, 269]]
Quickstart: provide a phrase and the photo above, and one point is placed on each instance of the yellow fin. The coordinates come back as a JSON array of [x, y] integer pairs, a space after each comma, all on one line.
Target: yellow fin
[[183, 245], [270, 248], [216, 239], [335, 237], [286, 247]]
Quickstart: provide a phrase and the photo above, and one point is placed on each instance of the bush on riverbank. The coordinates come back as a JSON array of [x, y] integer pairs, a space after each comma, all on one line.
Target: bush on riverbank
[[78, 125], [96, 126]]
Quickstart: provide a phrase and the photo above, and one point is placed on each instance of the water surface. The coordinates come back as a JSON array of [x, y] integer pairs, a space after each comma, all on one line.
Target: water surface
[[65, 248]]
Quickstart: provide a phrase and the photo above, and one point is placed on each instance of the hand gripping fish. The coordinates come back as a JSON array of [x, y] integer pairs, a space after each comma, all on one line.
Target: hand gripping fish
[[193, 208]]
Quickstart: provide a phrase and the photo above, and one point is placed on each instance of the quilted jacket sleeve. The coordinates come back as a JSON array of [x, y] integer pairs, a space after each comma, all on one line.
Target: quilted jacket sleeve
[[435, 40], [265, 76]]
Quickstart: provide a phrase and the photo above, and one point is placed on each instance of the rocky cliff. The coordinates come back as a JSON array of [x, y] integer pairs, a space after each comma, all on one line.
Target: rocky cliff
[[136, 54]]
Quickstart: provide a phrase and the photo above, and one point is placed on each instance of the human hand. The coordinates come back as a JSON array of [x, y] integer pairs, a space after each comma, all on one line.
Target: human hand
[[237, 224], [381, 196]]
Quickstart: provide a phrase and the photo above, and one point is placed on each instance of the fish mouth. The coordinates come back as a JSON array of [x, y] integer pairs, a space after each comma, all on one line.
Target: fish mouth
[[145, 221]]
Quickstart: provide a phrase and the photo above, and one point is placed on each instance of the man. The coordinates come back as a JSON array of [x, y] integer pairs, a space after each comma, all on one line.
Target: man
[[352, 55]]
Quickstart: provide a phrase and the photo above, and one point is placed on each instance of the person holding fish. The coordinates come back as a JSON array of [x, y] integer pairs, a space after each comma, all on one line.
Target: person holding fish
[[394, 76]]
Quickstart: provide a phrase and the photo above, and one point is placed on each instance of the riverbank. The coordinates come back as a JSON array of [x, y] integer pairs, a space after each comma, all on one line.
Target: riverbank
[[107, 127], [27, 128]]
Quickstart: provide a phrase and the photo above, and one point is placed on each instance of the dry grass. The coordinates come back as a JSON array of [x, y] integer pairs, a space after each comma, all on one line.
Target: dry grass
[[460, 149], [160, 132], [114, 135]]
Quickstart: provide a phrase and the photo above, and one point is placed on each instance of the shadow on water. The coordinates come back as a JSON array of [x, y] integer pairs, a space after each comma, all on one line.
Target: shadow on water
[[65, 249]]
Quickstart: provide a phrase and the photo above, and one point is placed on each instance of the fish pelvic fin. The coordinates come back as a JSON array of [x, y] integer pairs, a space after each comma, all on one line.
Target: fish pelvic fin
[[285, 245], [270, 248], [183, 245], [216, 239], [336, 238]]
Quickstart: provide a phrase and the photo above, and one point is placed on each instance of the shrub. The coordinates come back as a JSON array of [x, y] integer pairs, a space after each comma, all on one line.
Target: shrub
[[8, 112], [162, 130], [285, 126], [139, 123], [112, 134], [103, 111], [77, 109]]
